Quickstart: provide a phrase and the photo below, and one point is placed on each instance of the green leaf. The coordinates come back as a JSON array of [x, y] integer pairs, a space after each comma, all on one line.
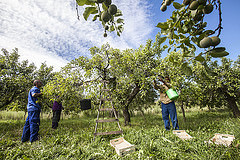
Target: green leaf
[[163, 26], [175, 36], [170, 34], [200, 58], [162, 39], [81, 2], [169, 49], [171, 59], [119, 13], [88, 11], [95, 17], [90, 2], [216, 54], [219, 49], [187, 42], [177, 5], [120, 20]]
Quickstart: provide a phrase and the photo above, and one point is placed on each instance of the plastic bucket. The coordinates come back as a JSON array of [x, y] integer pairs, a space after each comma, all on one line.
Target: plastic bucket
[[172, 94]]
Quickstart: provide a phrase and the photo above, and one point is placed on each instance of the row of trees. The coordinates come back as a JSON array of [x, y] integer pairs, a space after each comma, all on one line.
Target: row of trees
[[16, 78], [130, 73]]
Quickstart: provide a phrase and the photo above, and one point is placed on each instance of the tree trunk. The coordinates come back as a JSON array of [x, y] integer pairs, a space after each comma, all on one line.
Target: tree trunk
[[126, 116], [126, 113], [25, 113], [183, 112], [232, 105], [142, 112]]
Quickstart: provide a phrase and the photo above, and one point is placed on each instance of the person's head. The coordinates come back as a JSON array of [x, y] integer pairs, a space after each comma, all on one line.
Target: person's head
[[37, 83]]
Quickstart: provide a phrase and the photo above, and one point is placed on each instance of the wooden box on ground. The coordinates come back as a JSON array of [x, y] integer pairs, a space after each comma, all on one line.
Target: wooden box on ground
[[224, 139], [121, 146], [182, 134]]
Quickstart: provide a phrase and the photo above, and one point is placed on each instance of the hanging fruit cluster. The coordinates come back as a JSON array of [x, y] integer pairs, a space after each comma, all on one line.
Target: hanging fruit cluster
[[108, 15], [188, 22], [164, 5], [106, 12]]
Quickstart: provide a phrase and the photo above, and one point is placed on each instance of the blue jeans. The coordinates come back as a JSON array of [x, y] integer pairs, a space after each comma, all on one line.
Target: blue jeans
[[31, 127], [169, 109]]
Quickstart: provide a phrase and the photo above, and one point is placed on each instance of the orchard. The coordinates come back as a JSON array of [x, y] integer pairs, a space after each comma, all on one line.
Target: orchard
[[208, 88]]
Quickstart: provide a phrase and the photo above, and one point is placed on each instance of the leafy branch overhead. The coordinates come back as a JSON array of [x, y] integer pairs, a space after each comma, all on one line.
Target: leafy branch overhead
[[186, 29], [104, 11]]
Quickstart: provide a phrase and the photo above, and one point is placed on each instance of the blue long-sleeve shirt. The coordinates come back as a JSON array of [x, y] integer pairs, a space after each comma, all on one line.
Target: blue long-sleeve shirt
[[32, 101]]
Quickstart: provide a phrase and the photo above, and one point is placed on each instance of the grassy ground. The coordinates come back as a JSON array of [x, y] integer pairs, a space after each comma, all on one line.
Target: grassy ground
[[74, 137]]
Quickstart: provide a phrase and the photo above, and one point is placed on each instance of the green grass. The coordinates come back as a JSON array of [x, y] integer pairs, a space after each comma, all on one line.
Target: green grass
[[74, 138]]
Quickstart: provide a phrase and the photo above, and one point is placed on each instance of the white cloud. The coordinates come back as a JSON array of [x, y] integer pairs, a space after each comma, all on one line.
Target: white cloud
[[49, 30]]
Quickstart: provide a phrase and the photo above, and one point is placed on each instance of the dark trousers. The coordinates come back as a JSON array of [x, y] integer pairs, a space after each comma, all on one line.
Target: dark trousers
[[169, 109], [56, 118], [31, 127]]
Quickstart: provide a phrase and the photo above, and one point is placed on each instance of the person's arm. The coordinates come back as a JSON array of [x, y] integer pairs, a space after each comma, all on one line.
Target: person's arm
[[155, 85], [165, 84], [37, 94]]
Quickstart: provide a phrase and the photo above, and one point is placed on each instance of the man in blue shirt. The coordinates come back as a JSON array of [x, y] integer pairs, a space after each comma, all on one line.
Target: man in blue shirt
[[31, 127]]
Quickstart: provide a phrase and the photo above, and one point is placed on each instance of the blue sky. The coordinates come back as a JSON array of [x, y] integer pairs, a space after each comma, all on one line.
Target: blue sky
[[48, 30]]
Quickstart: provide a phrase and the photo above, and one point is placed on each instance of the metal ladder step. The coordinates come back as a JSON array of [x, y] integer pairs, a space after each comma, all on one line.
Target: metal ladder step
[[108, 133], [105, 109], [107, 120]]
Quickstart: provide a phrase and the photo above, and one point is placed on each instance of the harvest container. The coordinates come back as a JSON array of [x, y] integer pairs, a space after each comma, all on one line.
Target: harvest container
[[172, 94], [121, 146]]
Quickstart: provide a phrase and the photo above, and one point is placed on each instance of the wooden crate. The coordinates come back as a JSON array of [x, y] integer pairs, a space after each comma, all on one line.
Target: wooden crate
[[222, 139], [121, 146], [182, 134]]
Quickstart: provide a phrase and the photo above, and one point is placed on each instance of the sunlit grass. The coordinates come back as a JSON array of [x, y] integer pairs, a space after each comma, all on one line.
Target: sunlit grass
[[74, 137]]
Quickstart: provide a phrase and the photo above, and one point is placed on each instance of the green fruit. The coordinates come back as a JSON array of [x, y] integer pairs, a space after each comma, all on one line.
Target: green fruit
[[198, 17], [107, 2], [105, 35], [112, 9], [208, 9], [186, 2], [194, 5], [215, 40], [105, 16], [168, 2], [106, 27], [205, 42], [202, 2], [163, 8]]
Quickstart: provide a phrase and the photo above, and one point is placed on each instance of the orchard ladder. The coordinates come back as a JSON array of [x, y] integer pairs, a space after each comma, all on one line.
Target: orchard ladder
[[106, 96]]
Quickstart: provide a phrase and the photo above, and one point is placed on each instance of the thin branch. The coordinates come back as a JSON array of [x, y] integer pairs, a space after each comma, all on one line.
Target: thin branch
[[78, 17], [219, 28], [220, 18]]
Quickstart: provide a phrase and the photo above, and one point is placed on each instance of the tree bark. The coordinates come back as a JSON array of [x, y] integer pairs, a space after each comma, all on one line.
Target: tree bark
[[232, 105], [183, 112], [126, 113]]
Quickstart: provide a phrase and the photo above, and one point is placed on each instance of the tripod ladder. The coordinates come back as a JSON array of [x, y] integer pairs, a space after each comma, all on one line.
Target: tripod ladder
[[106, 96]]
